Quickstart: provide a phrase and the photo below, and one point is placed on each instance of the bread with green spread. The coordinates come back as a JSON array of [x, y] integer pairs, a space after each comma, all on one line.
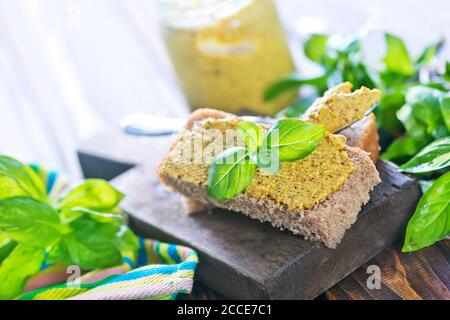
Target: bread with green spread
[[340, 106], [318, 197], [363, 135]]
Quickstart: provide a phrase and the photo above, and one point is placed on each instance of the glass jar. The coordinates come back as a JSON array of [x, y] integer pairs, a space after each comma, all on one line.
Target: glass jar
[[227, 52]]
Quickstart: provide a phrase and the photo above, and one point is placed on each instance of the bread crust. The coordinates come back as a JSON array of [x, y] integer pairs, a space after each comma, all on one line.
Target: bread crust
[[364, 135], [326, 222], [204, 113]]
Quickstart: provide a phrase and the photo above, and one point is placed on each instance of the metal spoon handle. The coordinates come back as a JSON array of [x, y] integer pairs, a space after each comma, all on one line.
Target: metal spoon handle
[[150, 125], [155, 126]]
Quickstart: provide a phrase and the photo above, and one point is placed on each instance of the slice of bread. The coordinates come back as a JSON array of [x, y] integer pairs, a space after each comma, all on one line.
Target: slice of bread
[[327, 221], [362, 134]]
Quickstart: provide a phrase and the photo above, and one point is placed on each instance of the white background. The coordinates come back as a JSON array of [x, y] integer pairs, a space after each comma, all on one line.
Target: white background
[[69, 68]]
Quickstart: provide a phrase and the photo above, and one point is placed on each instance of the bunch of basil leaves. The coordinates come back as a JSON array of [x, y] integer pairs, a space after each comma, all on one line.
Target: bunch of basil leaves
[[232, 171], [84, 227], [413, 116]]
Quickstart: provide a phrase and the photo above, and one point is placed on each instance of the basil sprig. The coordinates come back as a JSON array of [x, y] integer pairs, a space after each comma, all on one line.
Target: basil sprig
[[84, 228], [232, 171], [434, 157]]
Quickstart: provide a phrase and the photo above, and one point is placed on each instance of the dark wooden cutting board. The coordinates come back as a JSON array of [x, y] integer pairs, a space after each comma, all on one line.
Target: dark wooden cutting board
[[240, 257]]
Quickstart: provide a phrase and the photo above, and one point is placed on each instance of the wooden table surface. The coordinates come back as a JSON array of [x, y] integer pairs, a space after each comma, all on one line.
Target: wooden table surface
[[70, 68], [421, 275]]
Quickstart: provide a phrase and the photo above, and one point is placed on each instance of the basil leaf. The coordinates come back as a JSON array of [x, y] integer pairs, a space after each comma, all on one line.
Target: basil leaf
[[431, 221], [23, 262], [397, 58], [425, 99], [351, 46], [292, 82], [441, 131], [71, 214], [428, 54], [30, 221], [6, 246], [315, 47], [252, 133], [426, 105], [54, 255], [128, 242], [445, 108], [10, 188], [401, 150], [230, 173], [415, 128], [94, 194], [437, 84], [433, 157], [294, 139], [393, 99], [17, 179], [446, 74], [3, 239], [360, 75], [91, 244]]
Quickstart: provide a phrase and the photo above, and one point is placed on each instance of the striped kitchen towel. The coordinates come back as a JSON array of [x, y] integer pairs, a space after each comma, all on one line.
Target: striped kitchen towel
[[158, 270]]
